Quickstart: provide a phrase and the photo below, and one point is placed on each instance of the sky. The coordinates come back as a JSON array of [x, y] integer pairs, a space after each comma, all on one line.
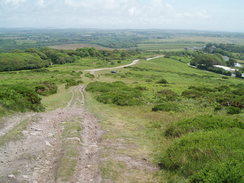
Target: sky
[[213, 15]]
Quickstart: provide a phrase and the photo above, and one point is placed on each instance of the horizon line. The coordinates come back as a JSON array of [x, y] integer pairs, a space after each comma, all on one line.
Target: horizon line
[[146, 29]]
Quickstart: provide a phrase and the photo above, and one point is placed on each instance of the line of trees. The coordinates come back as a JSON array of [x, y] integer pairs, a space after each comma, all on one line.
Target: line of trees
[[35, 58]]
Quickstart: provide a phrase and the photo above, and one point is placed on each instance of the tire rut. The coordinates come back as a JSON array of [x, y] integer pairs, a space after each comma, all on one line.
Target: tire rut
[[35, 158]]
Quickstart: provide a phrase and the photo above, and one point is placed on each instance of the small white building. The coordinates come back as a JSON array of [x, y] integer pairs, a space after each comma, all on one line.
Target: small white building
[[238, 65], [225, 68]]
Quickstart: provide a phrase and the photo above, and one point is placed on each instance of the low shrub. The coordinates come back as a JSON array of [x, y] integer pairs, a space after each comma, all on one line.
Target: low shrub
[[122, 98], [20, 98], [148, 80], [203, 122], [142, 88], [40, 70], [193, 152], [89, 75], [46, 88], [115, 93], [230, 171], [219, 95], [233, 110], [192, 94], [166, 107], [230, 99], [168, 95], [225, 77], [162, 81], [197, 92], [72, 82]]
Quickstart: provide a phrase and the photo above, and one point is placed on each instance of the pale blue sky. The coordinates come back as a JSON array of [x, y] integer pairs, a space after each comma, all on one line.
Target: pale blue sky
[[220, 15]]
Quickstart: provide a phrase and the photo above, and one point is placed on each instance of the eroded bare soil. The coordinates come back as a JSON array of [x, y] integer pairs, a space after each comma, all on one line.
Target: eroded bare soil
[[35, 157]]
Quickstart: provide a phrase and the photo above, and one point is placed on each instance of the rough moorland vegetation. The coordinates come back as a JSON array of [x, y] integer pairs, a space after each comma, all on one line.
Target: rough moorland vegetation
[[232, 99], [20, 98], [115, 93], [205, 147], [203, 123], [200, 150]]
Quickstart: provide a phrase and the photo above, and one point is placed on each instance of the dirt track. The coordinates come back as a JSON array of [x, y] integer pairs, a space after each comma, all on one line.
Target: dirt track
[[35, 157]]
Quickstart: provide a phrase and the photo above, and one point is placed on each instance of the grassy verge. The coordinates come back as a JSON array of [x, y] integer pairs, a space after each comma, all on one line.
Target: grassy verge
[[15, 133], [60, 99], [70, 150]]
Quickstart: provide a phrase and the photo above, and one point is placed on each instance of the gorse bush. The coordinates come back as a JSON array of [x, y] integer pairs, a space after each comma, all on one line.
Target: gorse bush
[[229, 172], [225, 96], [168, 95], [233, 110], [230, 99], [162, 81], [166, 106], [89, 75], [197, 92], [46, 88], [72, 82], [194, 151], [115, 93], [20, 98], [204, 122]]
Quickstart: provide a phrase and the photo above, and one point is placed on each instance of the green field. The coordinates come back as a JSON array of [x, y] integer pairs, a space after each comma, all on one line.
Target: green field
[[176, 43], [168, 46]]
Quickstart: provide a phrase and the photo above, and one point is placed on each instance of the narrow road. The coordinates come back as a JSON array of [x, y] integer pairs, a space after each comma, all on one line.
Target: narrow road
[[111, 68], [134, 62], [38, 155]]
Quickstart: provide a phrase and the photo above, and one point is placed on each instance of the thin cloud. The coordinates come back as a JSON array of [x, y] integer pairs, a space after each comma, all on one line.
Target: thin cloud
[[165, 14], [13, 2]]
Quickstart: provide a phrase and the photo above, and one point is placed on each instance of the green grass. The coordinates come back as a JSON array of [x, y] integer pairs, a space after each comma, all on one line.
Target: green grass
[[15, 133], [70, 150], [58, 100]]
